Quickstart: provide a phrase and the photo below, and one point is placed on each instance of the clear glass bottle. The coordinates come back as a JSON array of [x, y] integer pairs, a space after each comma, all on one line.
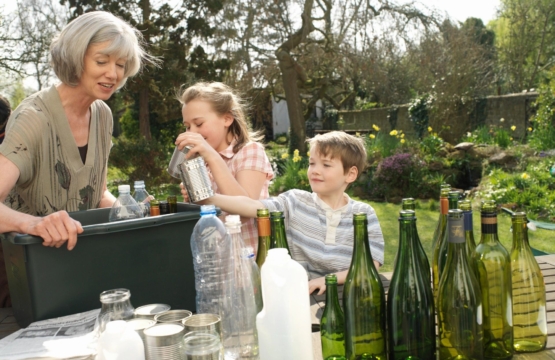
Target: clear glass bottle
[[459, 300], [278, 236], [529, 312], [466, 207], [410, 301], [364, 300], [125, 207], [332, 324], [494, 270], [141, 196], [264, 235], [239, 319]]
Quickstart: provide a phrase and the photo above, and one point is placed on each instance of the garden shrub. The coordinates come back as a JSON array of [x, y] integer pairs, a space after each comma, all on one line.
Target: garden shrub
[[542, 136], [396, 176], [290, 173]]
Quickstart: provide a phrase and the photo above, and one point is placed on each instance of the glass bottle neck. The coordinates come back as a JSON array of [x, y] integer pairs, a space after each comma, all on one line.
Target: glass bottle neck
[[520, 234], [489, 228], [331, 294], [468, 223], [444, 205], [407, 238], [361, 251]]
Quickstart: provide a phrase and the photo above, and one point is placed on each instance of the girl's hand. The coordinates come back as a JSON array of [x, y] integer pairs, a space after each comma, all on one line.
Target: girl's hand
[[197, 144]]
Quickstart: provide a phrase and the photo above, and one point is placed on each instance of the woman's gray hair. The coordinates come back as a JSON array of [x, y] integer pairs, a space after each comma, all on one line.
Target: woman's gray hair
[[67, 51]]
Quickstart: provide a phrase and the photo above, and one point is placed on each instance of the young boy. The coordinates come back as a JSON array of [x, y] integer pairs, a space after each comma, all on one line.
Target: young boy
[[319, 225]]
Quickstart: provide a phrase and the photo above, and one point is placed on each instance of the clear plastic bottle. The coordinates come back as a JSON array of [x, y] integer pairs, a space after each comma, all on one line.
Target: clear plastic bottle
[[141, 196], [209, 246], [249, 254], [125, 207], [239, 318]]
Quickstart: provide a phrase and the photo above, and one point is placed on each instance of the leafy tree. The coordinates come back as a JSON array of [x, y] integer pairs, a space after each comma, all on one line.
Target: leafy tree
[[525, 39]]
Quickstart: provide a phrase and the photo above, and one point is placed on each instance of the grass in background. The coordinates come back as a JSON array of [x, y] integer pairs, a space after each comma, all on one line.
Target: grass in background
[[388, 215]]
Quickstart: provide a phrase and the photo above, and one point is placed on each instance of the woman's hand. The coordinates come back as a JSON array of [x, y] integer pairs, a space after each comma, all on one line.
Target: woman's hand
[[197, 144], [55, 229]]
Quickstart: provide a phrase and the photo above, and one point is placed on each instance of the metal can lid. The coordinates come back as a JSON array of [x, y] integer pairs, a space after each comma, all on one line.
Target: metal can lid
[[151, 310], [140, 324]]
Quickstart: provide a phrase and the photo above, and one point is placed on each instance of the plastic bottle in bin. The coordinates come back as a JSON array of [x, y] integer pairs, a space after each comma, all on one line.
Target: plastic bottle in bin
[[208, 246], [125, 207], [142, 197]]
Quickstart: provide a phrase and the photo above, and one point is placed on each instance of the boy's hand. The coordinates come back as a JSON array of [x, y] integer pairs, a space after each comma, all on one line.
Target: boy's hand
[[317, 284]]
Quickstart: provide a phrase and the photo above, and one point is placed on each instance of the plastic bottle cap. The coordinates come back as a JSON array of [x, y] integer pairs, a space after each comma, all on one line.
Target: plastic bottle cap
[[124, 188], [139, 183], [207, 209], [233, 219]]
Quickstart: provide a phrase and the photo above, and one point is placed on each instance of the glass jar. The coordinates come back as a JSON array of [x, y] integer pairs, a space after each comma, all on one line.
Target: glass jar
[[116, 305]]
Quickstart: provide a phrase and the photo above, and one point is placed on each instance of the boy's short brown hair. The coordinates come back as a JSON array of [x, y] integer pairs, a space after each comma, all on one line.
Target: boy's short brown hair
[[350, 149]]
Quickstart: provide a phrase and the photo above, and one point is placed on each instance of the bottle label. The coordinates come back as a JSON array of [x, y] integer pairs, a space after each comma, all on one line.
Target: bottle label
[[264, 227], [489, 223], [468, 221], [456, 231]]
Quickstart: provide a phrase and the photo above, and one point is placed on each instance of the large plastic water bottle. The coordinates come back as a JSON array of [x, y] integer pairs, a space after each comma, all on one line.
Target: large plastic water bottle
[[209, 249], [239, 318], [120, 342], [141, 196], [284, 324], [125, 207]]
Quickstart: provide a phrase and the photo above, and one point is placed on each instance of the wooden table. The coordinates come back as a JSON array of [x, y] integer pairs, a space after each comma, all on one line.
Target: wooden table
[[8, 324], [547, 266]]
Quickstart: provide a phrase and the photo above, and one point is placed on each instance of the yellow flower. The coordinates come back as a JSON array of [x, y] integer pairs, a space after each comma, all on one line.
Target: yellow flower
[[402, 141], [530, 129], [511, 138], [501, 120], [357, 134], [525, 176], [393, 133], [430, 129], [284, 155], [296, 158], [375, 127], [308, 153], [513, 128], [372, 136], [402, 136], [296, 152], [434, 134]]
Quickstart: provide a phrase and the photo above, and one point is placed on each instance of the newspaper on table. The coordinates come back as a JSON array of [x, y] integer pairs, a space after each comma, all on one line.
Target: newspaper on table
[[65, 337]]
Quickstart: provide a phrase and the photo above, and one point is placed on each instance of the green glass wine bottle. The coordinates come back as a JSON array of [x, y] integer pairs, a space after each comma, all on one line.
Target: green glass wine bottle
[[529, 313], [494, 270], [459, 300], [410, 301], [443, 208], [278, 238], [264, 235], [440, 251], [410, 204], [363, 300], [332, 324]]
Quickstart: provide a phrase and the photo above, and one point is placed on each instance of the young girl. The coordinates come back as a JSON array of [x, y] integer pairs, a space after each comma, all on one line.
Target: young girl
[[217, 129]]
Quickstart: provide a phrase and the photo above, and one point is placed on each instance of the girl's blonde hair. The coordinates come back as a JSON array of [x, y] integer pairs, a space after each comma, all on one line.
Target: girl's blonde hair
[[224, 101]]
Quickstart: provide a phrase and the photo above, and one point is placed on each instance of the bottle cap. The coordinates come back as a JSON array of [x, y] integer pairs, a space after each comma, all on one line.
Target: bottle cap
[[233, 220], [139, 183], [207, 209], [331, 279], [124, 188], [262, 213], [276, 214], [489, 206], [465, 205]]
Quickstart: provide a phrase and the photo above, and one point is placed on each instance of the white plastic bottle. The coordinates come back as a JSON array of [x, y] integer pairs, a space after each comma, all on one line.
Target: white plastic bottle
[[125, 207], [120, 342], [284, 324], [141, 196]]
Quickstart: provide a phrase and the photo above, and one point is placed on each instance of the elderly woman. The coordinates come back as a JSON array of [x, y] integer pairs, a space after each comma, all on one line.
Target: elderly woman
[[54, 157]]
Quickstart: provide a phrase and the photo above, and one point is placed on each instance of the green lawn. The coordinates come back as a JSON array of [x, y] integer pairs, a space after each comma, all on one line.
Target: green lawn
[[388, 214]]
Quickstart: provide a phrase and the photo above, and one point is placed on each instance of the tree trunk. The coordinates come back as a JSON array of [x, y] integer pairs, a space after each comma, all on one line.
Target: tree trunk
[[291, 72], [144, 114]]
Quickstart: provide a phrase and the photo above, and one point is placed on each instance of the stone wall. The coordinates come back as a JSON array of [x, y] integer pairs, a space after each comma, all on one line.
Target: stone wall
[[515, 109]]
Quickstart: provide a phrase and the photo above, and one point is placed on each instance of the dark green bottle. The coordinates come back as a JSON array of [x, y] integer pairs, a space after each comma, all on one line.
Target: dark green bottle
[[332, 325], [440, 251], [278, 238], [363, 300], [264, 235], [410, 204], [459, 300], [529, 314], [410, 301], [494, 269]]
